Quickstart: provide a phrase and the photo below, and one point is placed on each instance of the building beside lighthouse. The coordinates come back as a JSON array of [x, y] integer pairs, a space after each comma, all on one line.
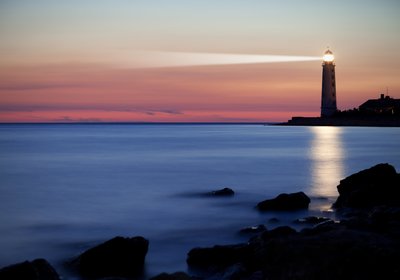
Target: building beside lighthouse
[[328, 96]]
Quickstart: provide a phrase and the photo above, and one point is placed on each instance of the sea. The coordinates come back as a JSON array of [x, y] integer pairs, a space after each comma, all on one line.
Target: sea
[[65, 188]]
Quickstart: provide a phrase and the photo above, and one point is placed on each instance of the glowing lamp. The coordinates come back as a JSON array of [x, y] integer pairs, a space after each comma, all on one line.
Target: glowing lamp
[[328, 56]]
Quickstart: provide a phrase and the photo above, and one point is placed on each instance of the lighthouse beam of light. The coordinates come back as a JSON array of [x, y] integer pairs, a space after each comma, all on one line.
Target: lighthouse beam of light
[[158, 59]]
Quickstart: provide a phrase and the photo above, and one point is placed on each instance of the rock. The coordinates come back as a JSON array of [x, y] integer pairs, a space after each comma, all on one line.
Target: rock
[[325, 225], [217, 257], [118, 257], [174, 276], [223, 192], [253, 230], [38, 269], [385, 214], [279, 232], [236, 271], [312, 220], [378, 185], [336, 252], [293, 201], [364, 245], [328, 251], [257, 275]]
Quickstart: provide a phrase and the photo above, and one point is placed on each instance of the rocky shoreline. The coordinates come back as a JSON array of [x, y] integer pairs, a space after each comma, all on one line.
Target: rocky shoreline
[[364, 243]]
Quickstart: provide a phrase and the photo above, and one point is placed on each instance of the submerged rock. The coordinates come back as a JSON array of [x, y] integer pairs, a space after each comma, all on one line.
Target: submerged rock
[[378, 185], [38, 269], [223, 192], [286, 202], [122, 257]]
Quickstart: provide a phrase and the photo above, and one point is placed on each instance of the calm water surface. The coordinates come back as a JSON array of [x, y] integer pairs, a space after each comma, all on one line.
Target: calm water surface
[[65, 188]]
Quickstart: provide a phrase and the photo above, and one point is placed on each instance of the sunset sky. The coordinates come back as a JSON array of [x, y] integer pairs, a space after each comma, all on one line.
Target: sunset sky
[[67, 61]]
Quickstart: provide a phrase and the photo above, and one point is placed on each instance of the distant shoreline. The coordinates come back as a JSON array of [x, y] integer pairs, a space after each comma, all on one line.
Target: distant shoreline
[[369, 121]]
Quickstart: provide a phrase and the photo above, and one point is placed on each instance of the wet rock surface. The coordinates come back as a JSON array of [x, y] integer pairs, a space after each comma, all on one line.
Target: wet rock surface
[[285, 202], [38, 269]]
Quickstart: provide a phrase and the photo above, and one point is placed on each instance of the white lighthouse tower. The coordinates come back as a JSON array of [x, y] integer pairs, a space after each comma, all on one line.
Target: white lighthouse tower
[[328, 98]]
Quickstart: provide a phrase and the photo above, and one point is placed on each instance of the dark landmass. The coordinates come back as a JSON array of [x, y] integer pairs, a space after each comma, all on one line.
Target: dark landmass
[[364, 243], [381, 112], [374, 121]]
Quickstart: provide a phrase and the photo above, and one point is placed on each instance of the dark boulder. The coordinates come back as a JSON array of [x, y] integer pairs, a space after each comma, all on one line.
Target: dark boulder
[[38, 269], [223, 192], [378, 185], [285, 202], [118, 257]]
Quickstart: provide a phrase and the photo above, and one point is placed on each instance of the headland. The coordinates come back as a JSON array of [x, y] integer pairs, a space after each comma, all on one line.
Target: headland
[[377, 121], [381, 112]]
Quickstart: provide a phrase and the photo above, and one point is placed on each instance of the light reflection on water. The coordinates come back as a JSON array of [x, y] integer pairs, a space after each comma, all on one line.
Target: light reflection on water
[[327, 159]]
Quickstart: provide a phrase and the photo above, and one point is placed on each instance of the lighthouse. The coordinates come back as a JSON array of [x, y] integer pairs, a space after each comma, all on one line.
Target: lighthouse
[[328, 98]]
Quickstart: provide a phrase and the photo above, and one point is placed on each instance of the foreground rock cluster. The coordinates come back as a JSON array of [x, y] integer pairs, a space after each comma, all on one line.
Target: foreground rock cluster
[[117, 257], [363, 244]]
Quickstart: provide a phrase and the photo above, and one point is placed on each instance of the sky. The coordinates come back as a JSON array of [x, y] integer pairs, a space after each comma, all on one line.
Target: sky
[[79, 60]]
